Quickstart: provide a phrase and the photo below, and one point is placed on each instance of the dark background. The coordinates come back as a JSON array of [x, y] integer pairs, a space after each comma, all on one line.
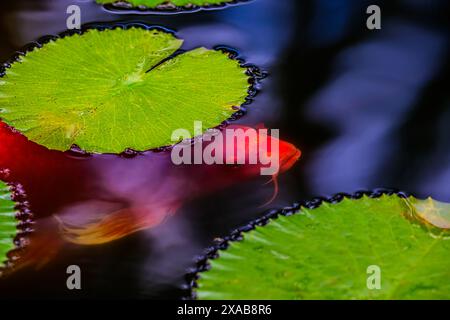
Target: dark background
[[368, 109]]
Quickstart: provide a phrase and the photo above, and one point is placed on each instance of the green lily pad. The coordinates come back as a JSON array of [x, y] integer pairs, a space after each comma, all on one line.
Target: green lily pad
[[165, 4], [8, 223], [335, 251], [112, 90]]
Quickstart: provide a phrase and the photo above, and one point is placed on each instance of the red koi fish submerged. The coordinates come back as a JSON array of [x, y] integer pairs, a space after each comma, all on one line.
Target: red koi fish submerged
[[110, 197]]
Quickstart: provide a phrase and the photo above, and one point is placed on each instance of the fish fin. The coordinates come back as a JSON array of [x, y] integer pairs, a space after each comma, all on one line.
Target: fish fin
[[275, 191], [111, 227], [268, 182]]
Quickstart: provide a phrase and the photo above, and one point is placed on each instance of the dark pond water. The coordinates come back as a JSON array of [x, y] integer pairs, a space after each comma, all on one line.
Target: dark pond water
[[368, 109]]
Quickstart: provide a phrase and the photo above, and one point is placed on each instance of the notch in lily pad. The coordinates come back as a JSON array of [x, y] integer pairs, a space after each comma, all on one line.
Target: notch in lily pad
[[112, 89], [168, 6], [328, 250], [16, 223]]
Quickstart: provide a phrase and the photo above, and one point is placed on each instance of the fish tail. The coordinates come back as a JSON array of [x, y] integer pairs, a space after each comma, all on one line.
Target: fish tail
[[111, 227]]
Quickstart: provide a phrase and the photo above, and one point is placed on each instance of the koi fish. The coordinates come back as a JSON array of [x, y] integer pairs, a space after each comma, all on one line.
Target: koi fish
[[101, 198], [197, 179]]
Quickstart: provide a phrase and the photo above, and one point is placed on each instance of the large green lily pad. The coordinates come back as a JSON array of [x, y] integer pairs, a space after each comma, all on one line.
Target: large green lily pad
[[335, 250], [107, 91], [8, 223], [152, 4]]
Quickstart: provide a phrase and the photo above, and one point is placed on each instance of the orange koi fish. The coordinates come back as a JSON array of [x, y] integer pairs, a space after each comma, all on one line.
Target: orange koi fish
[[96, 199]]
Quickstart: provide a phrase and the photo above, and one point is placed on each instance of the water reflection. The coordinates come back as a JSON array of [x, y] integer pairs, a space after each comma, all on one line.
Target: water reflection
[[373, 88]]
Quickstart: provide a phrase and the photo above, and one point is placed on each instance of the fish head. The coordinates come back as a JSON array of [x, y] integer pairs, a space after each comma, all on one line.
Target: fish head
[[253, 151]]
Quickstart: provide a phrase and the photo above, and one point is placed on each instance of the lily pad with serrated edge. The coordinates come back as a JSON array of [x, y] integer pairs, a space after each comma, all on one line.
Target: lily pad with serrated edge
[[326, 252], [15, 223], [109, 90], [168, 6]]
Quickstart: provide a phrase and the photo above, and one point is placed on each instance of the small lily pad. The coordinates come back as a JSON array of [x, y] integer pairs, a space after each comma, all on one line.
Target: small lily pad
[[117, 89], [166, 5], [8, 223], [332, 251], [15, 222]]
